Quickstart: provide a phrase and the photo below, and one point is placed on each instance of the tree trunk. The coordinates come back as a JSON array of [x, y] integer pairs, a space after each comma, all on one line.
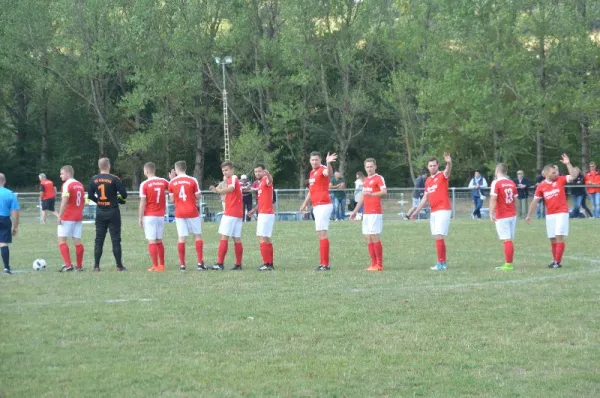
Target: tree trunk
[[585, 142], [44, 129], [199, 158], [539, 150]]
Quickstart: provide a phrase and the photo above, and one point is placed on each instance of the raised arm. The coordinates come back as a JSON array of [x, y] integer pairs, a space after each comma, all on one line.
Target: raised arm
[[330, 159], [573, 171], [448, 168]]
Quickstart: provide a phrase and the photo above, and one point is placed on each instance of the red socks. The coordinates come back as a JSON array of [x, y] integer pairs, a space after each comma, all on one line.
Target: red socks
[[160, 249], [553, 250], [239, 252], [509, 251], [199, 250], [266, 251], [222, 251], [181, 252], [324, 248], [64, 252], [378, 248], [153, 251], [79, 255], [371, 247], [560, 250], [440, 245]]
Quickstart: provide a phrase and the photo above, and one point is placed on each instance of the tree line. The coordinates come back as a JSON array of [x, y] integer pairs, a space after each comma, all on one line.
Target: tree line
[[400, 80]]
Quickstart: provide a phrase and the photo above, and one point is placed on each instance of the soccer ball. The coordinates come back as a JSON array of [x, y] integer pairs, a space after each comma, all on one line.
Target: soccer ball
[[39, 264]]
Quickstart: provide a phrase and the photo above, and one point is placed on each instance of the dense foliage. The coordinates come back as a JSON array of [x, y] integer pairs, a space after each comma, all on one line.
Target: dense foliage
[[400, 80]]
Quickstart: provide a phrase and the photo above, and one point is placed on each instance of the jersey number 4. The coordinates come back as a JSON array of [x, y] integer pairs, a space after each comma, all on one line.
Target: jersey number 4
[[182, 194]]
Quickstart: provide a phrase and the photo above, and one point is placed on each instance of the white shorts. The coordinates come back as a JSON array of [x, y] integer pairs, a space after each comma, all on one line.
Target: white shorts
[[557, 224], [186, 226], [505, 227], [372, 224], [231, 226], [153, 227], [439, 222], [322, 214], [70, 229], [264, 225]]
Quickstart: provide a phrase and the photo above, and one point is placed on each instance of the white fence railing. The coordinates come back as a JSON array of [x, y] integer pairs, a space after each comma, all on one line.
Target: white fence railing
[[395, 205]]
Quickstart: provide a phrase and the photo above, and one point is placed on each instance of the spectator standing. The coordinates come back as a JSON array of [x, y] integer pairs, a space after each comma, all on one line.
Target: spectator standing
[[417, 193], [541, 207], [246, 196], [338, 184], [358, 193], [523, 185], [592, 177], [47, 197], [476, 183], [579, 193]]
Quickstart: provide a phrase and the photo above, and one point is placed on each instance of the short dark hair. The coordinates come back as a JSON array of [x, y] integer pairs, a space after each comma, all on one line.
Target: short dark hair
[[315, 153], [262, 166], [227, 164], [432, 159], [181, 165]]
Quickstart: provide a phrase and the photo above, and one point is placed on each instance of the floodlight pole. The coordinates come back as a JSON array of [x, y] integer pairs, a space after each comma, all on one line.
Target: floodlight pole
[[224, 61]]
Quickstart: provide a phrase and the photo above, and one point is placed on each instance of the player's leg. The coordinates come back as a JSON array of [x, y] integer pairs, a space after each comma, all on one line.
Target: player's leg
[[367, 227], [440, 224], [506, 232], [76, 233], [102, 217], [562, 231], [150, 234], [195, 227], [264, 231], [322, 218], [237, 241], [64, 231], [551, 233], [225, 230], [114, 228], [182, 234], [5, 240]]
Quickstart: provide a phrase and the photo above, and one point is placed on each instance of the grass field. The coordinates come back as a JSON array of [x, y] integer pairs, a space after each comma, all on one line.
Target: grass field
[[407, 331]]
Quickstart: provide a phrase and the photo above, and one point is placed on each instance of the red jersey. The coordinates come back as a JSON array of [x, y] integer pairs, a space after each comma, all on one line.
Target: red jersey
[[75, 191], [372, 184], [437, 188], [505, 192], [234, 206], [184, 189], [265, 196], [47, 188], [554, 195], [592, 178], [318, 186], [153, 189]]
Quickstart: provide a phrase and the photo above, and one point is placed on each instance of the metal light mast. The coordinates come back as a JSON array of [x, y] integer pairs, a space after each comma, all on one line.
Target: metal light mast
[[225, 61]]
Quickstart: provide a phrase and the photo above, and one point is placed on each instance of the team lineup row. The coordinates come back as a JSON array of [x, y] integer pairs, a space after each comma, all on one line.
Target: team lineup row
[[184, 191]]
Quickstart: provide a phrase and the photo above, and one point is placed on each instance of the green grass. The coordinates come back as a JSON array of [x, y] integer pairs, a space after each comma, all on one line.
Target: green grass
[[406, 331]]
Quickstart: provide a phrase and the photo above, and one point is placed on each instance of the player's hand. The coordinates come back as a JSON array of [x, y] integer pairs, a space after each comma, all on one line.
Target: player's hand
[[413, 216], [565, 159], [528, 220], [58, 221], [493, 217], [303, 207], [140, 223], [172, 174], [331, 157], [15, 231], [447, 157], [251, 212], [212, 188]]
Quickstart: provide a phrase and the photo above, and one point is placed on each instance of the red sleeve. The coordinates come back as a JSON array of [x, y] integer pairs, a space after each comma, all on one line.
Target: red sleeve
[[538, 192]]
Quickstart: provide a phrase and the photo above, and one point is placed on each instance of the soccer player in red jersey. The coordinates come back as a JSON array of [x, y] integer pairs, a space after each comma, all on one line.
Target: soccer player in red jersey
[[552, 190], [231, 222], [436, 192], [372, 222], [503, 193], [266, 215], [70, 217], [318, 194], [152, 207], [184, 191]]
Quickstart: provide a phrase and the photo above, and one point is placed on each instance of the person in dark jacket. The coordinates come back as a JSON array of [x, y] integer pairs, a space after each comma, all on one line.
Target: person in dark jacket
[[579, 194], [417, 192], [523, 185]]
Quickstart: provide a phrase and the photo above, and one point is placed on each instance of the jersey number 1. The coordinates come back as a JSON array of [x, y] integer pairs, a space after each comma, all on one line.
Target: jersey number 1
[[102, 190]]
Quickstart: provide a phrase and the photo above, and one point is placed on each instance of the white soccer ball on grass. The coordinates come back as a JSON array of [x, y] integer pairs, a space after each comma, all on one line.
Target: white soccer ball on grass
[[39, 264]]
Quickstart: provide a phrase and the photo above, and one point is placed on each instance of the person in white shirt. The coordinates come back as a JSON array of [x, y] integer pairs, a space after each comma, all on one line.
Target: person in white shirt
[[358, 192], [476, 184]]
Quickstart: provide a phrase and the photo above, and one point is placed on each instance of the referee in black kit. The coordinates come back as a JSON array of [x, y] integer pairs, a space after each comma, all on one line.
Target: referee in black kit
[[107, 191]]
